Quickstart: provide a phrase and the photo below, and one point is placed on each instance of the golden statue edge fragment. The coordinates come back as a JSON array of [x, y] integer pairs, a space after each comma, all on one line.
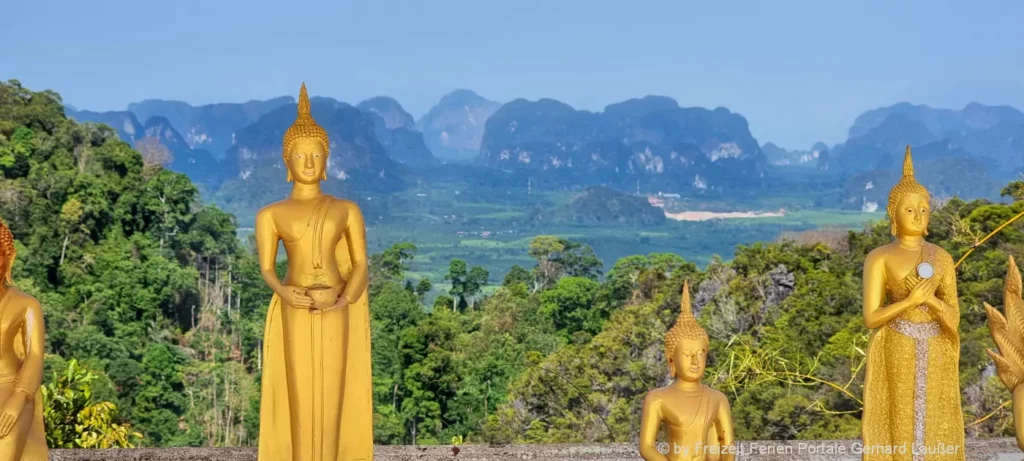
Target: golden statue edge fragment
[[22, 344], [1008, 335]]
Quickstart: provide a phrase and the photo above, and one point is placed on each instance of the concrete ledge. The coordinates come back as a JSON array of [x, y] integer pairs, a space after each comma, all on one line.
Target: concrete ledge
[[1001, 449]]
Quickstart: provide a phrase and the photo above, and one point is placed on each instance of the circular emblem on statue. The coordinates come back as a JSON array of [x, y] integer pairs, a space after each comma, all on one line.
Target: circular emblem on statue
[[925, 270]]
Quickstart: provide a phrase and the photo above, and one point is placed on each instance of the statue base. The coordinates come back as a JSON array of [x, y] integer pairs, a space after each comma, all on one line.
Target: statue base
[[989, 449]]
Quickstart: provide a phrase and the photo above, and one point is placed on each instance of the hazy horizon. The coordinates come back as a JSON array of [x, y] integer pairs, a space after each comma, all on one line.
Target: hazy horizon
[[799, 72]]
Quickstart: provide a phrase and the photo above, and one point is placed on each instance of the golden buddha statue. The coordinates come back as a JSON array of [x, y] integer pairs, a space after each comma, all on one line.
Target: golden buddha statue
[[22, 340], [316, 401], [912, 388], [687, 409], [1008, 334]]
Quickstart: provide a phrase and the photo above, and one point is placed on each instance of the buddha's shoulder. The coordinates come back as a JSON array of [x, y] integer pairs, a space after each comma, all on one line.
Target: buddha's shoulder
[[269, 210], [717, 395], [21, 298], [666, 391], [657, 395], [879, 253], [343, 205]]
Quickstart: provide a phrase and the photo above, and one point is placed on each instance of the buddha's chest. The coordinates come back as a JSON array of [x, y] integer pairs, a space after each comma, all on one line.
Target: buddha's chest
[[323, 226], [687, 414], [899, 269]]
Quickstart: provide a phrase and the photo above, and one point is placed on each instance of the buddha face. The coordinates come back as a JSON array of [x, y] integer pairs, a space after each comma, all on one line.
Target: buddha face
[[689, 359], [911, 215], [307, 161]]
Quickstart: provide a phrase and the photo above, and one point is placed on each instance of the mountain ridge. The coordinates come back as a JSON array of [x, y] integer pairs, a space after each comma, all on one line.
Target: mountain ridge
[[453, 128], [650, 140], [688, 148]]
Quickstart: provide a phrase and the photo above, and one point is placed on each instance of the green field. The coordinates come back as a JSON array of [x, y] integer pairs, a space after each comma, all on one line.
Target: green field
[[493, 227], [697, 241]]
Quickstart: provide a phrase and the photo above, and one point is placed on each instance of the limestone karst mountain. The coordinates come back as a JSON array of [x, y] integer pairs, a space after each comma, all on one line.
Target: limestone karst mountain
[[396, 130], [643, 144], [357, 156], [209, 126], [817, 156], [967, 152], [994, 132], [125, 123], [454, 128], [651, 139], [158, 142], [160, 139]]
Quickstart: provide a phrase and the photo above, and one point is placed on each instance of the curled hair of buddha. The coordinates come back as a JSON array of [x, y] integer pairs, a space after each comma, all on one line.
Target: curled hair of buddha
[[686, 326], [305, 127], [7, 246], [907, 185]]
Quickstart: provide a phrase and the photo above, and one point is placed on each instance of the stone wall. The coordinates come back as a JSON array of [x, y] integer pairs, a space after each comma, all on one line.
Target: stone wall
[[1003, 449]]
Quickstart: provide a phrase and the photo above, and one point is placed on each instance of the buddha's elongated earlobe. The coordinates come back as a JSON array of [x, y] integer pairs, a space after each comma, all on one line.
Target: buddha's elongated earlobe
[[323, 176]]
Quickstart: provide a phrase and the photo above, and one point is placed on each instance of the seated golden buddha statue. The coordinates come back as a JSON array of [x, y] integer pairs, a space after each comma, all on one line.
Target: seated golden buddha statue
[[316, 401], [687, 409], [1008, 334], [912, 386], [21, 366]]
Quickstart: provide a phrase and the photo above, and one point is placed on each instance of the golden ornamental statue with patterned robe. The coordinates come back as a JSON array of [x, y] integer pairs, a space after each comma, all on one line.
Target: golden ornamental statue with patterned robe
[[22, 436], [696, 418], [316, 401], [1008, 334], [912, 389]]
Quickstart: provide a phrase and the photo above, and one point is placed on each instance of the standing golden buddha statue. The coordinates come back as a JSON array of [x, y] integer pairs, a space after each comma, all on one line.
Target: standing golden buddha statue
[[1008, 334], [688, 409], [316, 401], [912, 388], [22, 340]]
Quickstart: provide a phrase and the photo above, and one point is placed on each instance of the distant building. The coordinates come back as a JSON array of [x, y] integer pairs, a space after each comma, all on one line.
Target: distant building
[[668, 194]]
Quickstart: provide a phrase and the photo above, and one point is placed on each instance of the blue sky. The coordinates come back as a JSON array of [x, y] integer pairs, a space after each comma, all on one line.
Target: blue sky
[[800, 71]]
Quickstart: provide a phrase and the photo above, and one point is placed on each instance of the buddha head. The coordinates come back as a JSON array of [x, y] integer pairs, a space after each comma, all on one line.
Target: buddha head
[[909, 203], [686, 343], [7, 252], [305, 146]]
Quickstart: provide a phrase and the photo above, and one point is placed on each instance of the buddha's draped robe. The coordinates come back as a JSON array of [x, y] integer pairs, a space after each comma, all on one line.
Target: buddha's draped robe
[[309, 389], [912, 389]]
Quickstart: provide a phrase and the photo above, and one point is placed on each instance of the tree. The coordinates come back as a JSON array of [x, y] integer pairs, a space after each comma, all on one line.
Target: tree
[[392, 262], [73, 420], [557, 257], [1014, 190], [430, 376], [517, 274], [545, 248], [475, 281], [569, 304], [457, 275], [579, 260], [423, 287]]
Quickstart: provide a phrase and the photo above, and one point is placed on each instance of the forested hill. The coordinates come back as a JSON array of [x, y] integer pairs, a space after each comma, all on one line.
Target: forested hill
[[152, 291], [138, 281]]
